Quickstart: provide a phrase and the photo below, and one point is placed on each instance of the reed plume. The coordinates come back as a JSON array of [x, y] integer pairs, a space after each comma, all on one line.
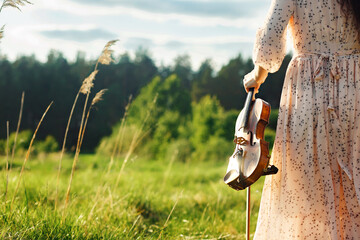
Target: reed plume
[[2, 32], [105, 58], [85, 88], [88, 83], [96, 99], [14, 3]]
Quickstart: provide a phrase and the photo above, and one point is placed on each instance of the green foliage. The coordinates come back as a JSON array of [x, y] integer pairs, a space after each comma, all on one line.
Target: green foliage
[[58, 80], [270, 137], [47, 146], [169, 95], [167, 130], [207, 120], [227, 85], [180, 149], [211, 130], [215, 148], [107, 144], [201, 84], [22, 142], [273, 118]]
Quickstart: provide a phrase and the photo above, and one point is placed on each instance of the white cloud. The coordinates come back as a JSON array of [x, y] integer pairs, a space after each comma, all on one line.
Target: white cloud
[[166, 34]]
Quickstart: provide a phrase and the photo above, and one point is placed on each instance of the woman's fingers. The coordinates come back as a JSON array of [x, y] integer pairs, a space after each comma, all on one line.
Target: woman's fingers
[[250, 82]]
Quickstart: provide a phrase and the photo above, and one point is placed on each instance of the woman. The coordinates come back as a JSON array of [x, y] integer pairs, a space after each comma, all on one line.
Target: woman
[[316, 193]]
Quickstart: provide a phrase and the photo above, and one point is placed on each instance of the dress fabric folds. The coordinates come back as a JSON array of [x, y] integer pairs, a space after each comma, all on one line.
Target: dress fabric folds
[[316, 193]]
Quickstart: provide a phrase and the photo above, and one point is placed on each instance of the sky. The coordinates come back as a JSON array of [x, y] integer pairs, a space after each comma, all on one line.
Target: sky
[[203, 29]]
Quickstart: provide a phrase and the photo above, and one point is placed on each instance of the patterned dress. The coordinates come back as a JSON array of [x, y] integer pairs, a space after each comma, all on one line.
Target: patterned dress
[[316, 193]]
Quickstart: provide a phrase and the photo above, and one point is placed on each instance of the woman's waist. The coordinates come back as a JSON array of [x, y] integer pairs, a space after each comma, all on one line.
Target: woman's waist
[[328, 48]]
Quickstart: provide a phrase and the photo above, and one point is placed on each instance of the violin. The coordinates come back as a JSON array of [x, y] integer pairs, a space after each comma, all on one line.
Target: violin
[[250, 159]]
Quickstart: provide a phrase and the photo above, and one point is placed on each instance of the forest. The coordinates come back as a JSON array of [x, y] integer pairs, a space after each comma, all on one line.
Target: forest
[[58, 79]]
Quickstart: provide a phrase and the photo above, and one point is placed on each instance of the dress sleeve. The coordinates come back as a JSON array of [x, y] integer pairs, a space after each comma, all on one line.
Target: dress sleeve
[[270, 45]]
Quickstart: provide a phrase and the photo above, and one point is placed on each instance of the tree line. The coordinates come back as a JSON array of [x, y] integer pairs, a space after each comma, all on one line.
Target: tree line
[[58, 80]]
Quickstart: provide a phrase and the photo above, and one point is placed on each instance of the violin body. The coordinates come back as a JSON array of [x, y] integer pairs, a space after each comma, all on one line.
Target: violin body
[[250, 159]]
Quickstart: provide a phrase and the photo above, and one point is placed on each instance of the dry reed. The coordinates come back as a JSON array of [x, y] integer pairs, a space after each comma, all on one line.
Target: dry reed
[[63, 149], [17, 129], [2, 32], [76, 157], [105, 58], [96, 99], [84, 89], [139, 134], [7, 162], [28, 154], [14, 3], [119, 136]]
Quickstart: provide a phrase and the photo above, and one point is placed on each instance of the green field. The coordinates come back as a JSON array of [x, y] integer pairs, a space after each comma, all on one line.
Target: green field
[[153, 200]]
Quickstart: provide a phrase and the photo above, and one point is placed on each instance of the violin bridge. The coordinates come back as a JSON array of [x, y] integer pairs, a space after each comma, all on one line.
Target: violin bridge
[[240, 141]]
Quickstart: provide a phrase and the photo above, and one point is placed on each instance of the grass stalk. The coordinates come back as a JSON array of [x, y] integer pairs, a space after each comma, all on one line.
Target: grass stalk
[[17, 129], [7, 162], [63, 149], [76, 157], [28, 154], [135, 141], [105, 58], [168, 218], [119, 137], [167, 173]]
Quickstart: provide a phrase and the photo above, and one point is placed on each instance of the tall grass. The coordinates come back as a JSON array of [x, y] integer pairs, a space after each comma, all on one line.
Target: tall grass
[[7, 161], [63, 148], [137, 137], [17, 128], [119, 136], [105, 58], [28, 155]]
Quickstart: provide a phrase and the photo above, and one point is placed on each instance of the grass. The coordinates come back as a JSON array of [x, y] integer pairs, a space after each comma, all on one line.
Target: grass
[[154, 200]]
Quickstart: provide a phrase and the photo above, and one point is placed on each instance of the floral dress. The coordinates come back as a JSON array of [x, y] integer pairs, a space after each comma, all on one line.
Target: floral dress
[[316, 193]]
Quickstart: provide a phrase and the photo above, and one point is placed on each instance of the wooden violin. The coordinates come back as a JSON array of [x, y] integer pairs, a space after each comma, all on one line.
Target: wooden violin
[[250, 159]]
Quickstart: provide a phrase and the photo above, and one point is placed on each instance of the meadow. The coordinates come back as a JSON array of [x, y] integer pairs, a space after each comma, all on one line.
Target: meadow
[[154, 199], [159, 147]]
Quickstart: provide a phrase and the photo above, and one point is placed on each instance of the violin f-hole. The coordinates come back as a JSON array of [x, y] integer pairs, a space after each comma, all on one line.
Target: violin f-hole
[[252, 142]]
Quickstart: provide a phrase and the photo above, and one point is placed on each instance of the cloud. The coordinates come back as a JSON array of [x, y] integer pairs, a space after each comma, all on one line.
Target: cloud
[[135, 43], [215, 8], [174, 44], [79, 35]]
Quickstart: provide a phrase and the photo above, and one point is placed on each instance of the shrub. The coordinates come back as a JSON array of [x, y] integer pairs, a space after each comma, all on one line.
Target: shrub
[[107, 144], [273, 118], [182, 148], [48, 145], [215, 148], [270, 137], [22, 142], [207, 120]]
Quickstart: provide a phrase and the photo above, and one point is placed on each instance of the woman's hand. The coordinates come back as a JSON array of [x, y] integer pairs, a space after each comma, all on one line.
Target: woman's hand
[[255, 78]]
